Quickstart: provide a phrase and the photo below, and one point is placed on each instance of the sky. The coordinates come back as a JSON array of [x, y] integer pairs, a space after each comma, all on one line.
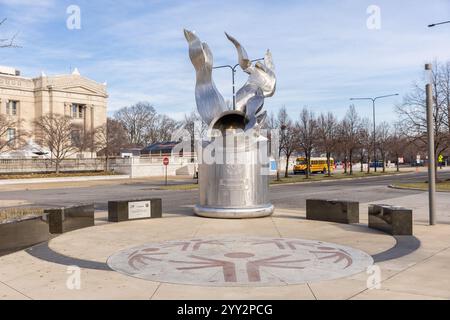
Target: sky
[[324, 51]]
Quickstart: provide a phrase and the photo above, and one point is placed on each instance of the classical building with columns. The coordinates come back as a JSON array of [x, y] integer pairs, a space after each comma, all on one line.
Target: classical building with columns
[[73, 95]]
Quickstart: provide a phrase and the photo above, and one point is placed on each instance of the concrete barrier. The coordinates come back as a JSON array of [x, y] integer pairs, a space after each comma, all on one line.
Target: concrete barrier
[[397, 221], [332, 211]]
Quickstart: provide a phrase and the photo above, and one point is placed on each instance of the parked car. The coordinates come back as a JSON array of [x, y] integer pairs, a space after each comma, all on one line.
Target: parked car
[[418, 164], [378, 164]]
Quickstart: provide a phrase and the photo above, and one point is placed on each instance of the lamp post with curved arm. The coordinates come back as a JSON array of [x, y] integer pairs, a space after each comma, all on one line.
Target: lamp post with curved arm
[[233, 73], [374, 124], [437, 24]]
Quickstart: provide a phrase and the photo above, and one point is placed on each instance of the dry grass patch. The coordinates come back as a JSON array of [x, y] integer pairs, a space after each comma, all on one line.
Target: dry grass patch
[[19, 213], [443, 186]]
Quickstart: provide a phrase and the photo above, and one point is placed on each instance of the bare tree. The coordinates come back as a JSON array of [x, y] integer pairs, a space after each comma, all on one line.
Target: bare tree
[[162, 129], [364, 143], [384, 137], [397, 145], [349, 135], [443, 86], [137, 121], [412, 111], [289, 145], [110, 139], [307, 136], [83, 140], [287, 141], [10, 137], [8, 42], [57, 133], [327, 135], [270, 130], [195, 128]]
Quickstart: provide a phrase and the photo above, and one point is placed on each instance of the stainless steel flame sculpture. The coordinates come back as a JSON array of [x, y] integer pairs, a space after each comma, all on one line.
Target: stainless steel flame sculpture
[[236, 184]]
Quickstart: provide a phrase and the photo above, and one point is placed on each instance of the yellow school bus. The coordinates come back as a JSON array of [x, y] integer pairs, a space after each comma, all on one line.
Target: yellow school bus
[[317, 165]]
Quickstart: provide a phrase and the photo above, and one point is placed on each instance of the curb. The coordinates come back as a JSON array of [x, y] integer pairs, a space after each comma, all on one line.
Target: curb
[[65, 179], [414, 189], [343, 179]]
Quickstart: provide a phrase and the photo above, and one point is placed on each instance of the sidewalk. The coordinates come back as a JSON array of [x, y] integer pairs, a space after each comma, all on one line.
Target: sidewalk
[[62, 179], [80, 182]]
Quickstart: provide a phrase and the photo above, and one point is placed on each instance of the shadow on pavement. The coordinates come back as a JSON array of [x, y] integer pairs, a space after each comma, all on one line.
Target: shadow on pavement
[[44, 252], [405, 245]]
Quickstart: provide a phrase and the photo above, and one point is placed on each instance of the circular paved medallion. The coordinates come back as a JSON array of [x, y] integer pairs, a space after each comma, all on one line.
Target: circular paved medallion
[[235, 261]]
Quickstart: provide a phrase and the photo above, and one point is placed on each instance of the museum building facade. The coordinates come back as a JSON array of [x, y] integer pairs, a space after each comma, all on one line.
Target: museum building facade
[[27, 99]]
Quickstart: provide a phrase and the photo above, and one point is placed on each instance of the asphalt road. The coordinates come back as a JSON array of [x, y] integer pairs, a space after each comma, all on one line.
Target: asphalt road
[[292, 196]]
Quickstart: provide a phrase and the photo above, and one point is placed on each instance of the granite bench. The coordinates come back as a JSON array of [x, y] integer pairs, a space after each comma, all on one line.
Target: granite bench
[[332, 211], [397, 221], [136, 209], [23, 233], [62, 220]]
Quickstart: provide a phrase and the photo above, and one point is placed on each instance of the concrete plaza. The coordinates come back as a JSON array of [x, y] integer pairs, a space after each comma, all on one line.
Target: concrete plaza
[[410, 267]]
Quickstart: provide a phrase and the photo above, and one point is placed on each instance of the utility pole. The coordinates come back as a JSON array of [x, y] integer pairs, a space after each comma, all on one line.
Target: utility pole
[[431, 153]]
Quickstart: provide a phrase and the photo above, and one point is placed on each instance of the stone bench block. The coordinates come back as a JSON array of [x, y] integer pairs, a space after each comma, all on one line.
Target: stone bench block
[[138, 209], [394, 220], [332, 211], [21, 234], [62, 220]]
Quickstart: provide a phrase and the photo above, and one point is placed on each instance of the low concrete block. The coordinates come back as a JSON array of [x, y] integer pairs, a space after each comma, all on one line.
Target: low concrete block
[[332, 211], [21, 234], [138, 209], [397, 221], [63, 220]]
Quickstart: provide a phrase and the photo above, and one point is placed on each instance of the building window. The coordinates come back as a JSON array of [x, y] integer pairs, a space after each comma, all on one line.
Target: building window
[[11, 134], [77, 111], [11, 107], [75, 136]]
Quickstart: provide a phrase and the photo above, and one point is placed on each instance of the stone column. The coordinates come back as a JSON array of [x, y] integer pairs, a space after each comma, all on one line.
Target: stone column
[[50, 98], [86, 118], [89, 122], [66, 109], [19, 115], [92, 117]]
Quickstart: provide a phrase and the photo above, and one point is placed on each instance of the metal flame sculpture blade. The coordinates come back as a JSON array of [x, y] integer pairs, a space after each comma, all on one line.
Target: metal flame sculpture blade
[[261, 82], [210, 102]]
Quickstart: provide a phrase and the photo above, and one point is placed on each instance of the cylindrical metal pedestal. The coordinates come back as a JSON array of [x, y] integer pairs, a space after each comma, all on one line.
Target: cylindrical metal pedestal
[[236, 184], [234, 213]]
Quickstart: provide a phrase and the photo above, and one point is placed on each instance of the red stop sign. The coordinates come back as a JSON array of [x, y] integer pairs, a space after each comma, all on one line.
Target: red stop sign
[[166, 161]]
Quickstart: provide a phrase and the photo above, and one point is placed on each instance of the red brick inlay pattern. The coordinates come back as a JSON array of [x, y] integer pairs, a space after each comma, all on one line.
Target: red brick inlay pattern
[[240, 261]]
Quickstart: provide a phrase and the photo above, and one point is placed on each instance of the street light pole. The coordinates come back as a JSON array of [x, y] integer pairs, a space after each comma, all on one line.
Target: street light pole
[[374, 124], [374, 138], [233, 73], [430, 133], [431, 153]]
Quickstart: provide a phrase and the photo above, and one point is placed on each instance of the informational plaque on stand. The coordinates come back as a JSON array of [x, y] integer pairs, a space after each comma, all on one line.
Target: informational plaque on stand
[[134, 209], [139, 210]]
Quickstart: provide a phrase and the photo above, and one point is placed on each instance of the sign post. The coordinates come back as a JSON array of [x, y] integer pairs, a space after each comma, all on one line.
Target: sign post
[[166, 163]]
